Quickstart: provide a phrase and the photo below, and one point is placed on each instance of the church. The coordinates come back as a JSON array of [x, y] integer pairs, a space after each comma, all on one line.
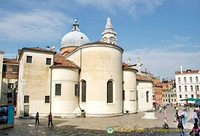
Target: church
[[85, 77]]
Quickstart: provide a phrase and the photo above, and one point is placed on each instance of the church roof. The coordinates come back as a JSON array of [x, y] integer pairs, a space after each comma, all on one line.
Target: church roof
[[74, 38], [60, 61], [187, 72], [2, 52], [7, 60], [143, 78]]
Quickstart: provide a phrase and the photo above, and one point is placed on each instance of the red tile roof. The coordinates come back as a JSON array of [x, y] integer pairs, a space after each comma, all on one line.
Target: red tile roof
[[2, 52], [38, 49], [143, 78], [186, 72], [7, 60], [60, 61]]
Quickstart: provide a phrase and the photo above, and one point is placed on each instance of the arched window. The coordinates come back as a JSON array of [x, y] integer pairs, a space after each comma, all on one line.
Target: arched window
[[179, 88], [179, 80], [197, 88], [147, 96], [186, 88], [197, 80], [109, 92], [83, 98], [191, 88], [190, 79]]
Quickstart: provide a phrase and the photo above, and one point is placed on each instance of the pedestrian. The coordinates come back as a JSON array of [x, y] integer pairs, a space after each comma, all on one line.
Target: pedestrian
[[175, 106], [195, 130], [184, 116], [176, 115], [195, 117], [37, 118], [50, 119], [165, 126], [180, 126]]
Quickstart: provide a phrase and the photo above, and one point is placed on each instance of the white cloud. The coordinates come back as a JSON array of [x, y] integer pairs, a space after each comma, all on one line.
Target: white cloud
[[40, 25], [162, 62], [134, 7]]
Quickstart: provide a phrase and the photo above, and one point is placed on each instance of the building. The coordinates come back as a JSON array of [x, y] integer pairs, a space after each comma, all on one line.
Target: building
[[1, 69], [9, 81], [169, 92], [157, 87], [85, 76], [187, 84]]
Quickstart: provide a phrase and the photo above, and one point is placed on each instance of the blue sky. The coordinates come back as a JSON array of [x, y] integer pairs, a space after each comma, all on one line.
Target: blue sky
[[165, 34]]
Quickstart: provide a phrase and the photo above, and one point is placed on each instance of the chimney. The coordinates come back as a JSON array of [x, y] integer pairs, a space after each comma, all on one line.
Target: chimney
[[181, 69], [47, 47], [53, 48]]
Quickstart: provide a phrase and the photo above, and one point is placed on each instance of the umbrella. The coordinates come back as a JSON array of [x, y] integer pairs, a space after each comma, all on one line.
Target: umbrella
[[190, 99]]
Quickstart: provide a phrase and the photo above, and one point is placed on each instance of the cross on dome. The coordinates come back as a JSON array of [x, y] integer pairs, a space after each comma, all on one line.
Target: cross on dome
[[76, 25]]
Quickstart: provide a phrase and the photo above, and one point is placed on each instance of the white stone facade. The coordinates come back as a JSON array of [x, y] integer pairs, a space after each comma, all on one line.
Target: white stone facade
[[187, 84], [90, 78]]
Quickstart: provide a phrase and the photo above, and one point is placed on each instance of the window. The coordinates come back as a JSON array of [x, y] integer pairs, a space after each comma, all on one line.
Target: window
[[197, 80], [123, 95], [166, 95], [179, 80], [197, 87], [10, 85], [76, 90], [9, 101], [48, 61], [147, 96], [190, 79], [179, 88], [172, 100], [109, 92], [9, 95], [14, 68], [186, 88], [83, 91], [28, 59], [163, 100], [180, 96], [192, 96], [185, 79], [191, 88], [58, 89], [186, 96], [26, 99], [4, 68], [46, 99], [172, 95]]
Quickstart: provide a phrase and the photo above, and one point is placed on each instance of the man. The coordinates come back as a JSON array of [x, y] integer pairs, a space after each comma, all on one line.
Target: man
[[184, 116], [37, 118], [50, 119], [195, 116]]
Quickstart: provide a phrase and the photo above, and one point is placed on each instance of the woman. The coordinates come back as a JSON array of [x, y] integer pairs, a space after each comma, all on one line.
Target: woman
[[195, 130], [180, 126]]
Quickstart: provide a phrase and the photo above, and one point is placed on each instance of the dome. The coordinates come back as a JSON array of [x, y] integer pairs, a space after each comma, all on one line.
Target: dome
[[74, 38]]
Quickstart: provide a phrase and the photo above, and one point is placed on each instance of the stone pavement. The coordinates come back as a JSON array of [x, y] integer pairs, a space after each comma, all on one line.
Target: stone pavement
[[131, 124]]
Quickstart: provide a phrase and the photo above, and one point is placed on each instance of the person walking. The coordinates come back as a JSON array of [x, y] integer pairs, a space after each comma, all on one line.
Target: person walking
[[165, 126], [37, 118], [50, 119], [195, 130], [184, 116], [180, 126], [195, 117]]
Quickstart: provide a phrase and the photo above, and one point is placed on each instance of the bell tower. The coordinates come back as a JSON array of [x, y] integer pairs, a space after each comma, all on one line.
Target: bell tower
[[109, 34]]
